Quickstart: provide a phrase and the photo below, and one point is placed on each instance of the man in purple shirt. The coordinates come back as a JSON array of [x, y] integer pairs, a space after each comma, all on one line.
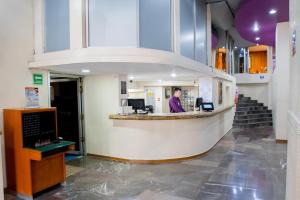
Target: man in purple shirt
[[174, 103]]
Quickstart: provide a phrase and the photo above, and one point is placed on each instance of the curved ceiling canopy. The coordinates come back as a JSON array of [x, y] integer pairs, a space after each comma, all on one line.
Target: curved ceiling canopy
[[256, 20]]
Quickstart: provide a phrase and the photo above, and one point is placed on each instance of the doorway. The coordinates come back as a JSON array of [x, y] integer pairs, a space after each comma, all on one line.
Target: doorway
[[66, 96]]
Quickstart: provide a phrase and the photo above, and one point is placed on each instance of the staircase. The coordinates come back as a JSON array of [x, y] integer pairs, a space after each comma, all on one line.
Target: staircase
[[251, 114]]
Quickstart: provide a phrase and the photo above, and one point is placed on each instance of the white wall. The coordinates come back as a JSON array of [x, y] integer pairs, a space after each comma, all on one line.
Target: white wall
[[206, 88], [101, 98], [16, 50], [293, 153], [209, 91], [280, 82], [157, 93], [256, 86], [258, 92]]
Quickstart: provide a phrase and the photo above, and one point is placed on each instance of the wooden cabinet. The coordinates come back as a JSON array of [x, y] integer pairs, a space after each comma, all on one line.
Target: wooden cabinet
[[34, 156]]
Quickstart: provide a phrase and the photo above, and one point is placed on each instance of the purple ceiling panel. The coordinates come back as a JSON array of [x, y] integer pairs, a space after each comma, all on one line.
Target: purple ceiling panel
[[253, 19]]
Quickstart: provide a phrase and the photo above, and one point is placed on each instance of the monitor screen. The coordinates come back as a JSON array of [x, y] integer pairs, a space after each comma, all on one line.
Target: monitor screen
[[207, 106], [137, 104]]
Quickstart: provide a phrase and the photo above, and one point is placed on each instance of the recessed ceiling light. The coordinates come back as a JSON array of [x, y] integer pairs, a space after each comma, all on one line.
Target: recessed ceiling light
[[255, 27], [257, 38], [85, 71], [272, 11], [130, 77], [173, 75]]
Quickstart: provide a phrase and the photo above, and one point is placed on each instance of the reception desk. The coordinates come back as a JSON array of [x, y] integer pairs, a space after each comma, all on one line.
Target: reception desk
[[166, 137]]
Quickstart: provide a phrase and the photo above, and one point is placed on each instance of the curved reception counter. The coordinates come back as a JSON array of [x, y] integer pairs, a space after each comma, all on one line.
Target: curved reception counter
[[167, 137]]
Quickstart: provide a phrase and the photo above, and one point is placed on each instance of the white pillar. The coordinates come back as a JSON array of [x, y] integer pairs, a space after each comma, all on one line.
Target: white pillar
[[293, 153], [77, 24], [176, 26], [281, 81], [208, 36], [38, 26]]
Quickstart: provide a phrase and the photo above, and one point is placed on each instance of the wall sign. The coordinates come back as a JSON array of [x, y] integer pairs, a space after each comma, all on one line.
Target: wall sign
[[37, 79], [32, 97]]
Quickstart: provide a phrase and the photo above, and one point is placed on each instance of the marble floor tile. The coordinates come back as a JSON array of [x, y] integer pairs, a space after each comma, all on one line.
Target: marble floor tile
[[246, 164], [149, 195], [199, 162]]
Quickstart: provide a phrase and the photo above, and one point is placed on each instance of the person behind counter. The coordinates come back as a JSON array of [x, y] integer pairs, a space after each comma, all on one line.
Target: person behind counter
[[174, 103]]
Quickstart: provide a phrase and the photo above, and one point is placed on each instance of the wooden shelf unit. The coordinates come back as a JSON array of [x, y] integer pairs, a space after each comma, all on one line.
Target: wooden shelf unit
[[31, 169]]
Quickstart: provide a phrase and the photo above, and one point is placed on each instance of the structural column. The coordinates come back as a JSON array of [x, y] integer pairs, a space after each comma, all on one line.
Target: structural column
[[77, 24], [293, 153]]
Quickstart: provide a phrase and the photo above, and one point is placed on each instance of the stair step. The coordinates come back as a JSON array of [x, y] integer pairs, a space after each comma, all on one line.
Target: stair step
[[253, 125], [255, 120], [253, 116], [247, 101], [249, 104], [252, 108], [250, 112]]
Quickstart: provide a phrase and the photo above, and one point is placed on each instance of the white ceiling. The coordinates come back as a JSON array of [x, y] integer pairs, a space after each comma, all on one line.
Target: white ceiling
[[136, 70]]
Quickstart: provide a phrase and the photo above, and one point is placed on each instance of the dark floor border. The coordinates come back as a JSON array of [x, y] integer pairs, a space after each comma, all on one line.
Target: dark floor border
[[155, 162]]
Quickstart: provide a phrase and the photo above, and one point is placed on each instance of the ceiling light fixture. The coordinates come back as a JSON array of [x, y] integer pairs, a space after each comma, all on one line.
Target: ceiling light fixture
[[85, 71], [173, 75], [272, 11], [130, 77], [255, 27], [257, 38]]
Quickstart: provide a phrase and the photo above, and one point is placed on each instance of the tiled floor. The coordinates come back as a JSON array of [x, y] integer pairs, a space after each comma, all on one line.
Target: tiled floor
[[245, 165]]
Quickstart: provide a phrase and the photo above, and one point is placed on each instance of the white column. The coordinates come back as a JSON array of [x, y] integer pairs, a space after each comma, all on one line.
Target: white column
[[281, 81], [208, 36], [176, 26], [293, 153], [38, 26], [77, 24]]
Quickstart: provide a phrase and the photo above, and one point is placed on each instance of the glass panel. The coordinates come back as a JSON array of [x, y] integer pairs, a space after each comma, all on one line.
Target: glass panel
[[57, 28], [187, 27], [201, 41], [112, 23], [155, 24]]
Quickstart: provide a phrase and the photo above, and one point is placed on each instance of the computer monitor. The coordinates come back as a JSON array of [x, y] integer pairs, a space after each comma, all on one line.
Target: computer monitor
[[199, 102], [137, 104], [208, 107]]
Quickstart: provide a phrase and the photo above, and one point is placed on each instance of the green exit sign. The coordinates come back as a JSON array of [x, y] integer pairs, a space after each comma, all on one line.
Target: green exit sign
[[38, 79]]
